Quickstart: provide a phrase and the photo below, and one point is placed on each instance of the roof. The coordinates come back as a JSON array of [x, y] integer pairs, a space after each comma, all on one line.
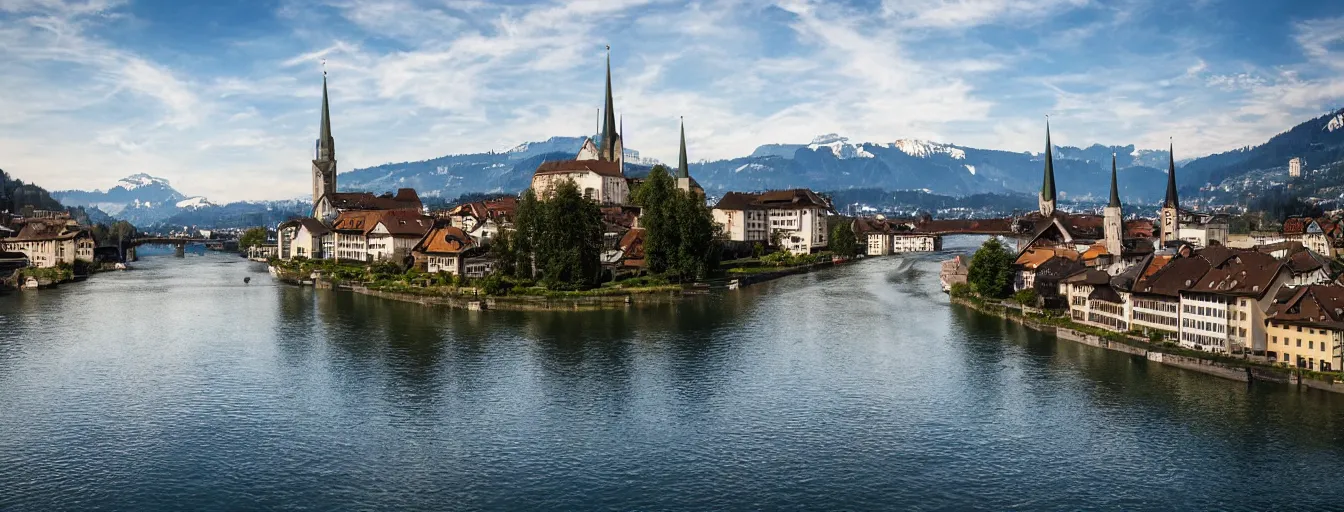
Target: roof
[[43, 229], [1048, 182], [405, 199], [1172, 200], [600, 167], [405, 223], [356, 221], [1313, 305], [500, 209], [774, 199], [314, 226], [1090, 276], [1105, 293], [1139, 228], [1033, 257], [632, 244], [443, 238], [1055, 269], [1306, 261]]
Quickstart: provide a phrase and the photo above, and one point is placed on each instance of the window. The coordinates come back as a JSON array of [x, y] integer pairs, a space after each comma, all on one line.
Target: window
[[1274, 339], [1299, 328], [1299, 342], [1311, 344]]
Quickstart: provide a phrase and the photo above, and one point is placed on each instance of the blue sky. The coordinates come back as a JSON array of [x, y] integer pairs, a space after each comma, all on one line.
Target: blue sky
[[222, 98]]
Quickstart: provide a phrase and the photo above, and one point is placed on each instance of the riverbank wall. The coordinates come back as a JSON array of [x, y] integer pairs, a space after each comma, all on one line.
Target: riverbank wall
[[1222, 367]]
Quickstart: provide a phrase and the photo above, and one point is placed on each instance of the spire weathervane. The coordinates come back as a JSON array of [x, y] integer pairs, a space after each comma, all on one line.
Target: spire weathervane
[[324, 67]]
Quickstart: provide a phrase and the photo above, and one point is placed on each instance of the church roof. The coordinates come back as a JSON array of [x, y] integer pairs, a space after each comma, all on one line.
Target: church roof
[[1115, 189], [683, 169], [405, 199], [609, 135], [601, 167], [324, 139]]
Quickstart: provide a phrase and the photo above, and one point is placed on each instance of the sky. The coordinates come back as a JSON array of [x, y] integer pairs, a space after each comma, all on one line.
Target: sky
[[223, 98]]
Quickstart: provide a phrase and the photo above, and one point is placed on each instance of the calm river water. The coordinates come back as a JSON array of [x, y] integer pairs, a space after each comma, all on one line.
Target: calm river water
[[176, 386]]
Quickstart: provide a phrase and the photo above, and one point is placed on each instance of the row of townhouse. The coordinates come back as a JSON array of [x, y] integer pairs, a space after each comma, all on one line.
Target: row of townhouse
[[795, 218], [50, 241], [1215, 299], [881, 237]]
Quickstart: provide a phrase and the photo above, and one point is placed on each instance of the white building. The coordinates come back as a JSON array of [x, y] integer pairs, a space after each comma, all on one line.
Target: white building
[[303, 238], [598, 180], [1295, 167], [51, 242], [741, 218]]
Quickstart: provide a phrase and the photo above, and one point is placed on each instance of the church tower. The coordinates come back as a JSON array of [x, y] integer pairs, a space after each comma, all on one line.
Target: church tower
[[1114, 218], [1046, 200], [610, 148], [324, 161], [1171, 208]]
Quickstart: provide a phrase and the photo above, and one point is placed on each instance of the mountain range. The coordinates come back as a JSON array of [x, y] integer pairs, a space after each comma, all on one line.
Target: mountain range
[[829, 162]]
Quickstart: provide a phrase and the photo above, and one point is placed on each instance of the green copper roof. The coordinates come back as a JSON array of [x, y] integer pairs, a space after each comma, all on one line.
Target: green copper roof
[[1048, 184], [1115, 189], [683, 170], [1171, 180]]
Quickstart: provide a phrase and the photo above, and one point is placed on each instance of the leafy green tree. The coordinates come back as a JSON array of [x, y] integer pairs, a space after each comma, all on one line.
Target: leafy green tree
[[843, 240], [681, 237], [991, 270], [502, 250], [527, 219], [657, 200], [252, 238], [569, 242]]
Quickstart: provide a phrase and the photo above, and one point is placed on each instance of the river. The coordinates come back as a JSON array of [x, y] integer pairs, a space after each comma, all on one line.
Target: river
[[178, 387]]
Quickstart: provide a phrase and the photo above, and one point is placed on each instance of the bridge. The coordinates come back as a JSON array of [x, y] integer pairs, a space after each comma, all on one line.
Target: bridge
[[179, 244]]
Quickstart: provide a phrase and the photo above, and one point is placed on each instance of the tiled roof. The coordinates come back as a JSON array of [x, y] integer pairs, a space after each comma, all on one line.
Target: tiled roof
[[405, 223], [632, 244], [600, 167], [443, 238], [41, 230], [355, 221], [1036, 256], [774, 199], [1314, 305], [405, 199], [314, 226]]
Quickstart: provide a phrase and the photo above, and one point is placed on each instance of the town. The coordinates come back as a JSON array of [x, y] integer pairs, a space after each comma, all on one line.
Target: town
[[585, 224]]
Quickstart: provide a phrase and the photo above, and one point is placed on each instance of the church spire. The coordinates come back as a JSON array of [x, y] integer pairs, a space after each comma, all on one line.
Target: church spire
[[1046, 199], [1172, 201], [1048, 183], [326, 145], [683, 170], [1115, 189], [609, 136]]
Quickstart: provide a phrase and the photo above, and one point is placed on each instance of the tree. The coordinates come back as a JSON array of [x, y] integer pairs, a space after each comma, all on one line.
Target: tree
[[657, 200], [252, 238], [569, 242], [526, 220], [502, 251], [991, 270], [681, 237], [843, 240]]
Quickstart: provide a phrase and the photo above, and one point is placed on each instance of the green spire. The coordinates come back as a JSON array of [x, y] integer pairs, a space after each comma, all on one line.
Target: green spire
[[326, 145], [683, 170], [1171, 180], [607, 149], [1048, 184], [1115, 189]]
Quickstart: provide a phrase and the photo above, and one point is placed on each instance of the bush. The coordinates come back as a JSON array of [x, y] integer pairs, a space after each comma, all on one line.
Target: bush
[[1026, 297], [495, 284], [960, 290], [991, 270]]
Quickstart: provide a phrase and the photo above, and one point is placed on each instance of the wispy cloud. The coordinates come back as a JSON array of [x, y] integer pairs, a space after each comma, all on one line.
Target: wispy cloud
[[91, 95]]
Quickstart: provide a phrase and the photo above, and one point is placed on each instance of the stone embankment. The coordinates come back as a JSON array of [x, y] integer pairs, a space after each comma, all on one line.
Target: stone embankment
[[1224, 367]]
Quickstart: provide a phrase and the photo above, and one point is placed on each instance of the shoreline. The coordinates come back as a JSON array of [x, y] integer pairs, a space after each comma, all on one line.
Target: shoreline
[[1228, 368], [617, 299]]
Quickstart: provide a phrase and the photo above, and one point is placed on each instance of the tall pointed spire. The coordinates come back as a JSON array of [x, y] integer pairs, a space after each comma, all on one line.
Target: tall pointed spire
[[326, 145], [608, 146], [1048, 183], [1172, 200], [1115, 189], [683, 170]]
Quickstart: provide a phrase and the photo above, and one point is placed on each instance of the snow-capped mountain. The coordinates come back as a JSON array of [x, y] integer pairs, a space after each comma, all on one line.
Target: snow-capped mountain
[[195, 202], [924, 148], [140, 198], [839, 146], [1335, 123]]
